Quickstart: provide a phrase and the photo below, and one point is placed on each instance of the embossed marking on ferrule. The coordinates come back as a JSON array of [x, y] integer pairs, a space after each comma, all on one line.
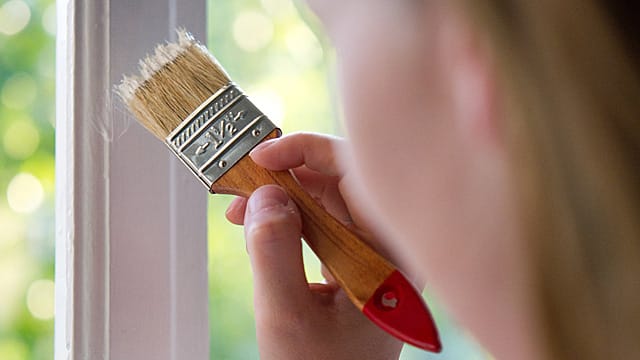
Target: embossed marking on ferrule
[[204, 115], [221, 131]]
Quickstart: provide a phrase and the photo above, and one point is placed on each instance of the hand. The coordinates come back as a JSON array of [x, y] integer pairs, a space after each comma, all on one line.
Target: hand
[[295, 319]]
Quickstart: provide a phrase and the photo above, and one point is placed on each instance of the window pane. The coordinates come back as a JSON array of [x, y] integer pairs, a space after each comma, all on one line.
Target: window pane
[[284, 64], [27, 97]]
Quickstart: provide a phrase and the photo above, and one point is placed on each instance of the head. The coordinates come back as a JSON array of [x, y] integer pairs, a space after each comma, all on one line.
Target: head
[[496, 143]]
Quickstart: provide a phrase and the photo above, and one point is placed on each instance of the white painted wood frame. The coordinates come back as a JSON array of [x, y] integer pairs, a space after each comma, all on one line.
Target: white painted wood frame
[[131, 267]]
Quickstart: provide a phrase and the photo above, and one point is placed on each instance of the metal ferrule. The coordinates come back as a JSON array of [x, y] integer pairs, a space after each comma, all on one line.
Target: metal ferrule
[[219, 133]]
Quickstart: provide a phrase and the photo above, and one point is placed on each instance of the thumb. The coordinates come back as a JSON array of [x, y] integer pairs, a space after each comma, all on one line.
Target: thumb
[[273, 231]]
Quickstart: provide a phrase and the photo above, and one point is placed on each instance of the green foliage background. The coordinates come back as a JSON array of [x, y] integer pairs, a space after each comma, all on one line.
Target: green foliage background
[[27, 88]]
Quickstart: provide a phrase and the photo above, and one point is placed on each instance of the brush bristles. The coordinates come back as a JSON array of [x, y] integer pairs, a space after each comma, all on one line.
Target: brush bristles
[[173, 82]]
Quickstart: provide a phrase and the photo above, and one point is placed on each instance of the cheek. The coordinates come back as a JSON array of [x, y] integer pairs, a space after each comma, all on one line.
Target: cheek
[[397, 114], [382, 72], [389, 108]]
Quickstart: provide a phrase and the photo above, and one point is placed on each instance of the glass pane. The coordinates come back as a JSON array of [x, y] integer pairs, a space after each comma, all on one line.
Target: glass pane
[[27, 97], [272, 49]]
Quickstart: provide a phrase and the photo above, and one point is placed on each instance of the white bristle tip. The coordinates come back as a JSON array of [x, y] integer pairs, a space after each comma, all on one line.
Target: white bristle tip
[[151, 64]]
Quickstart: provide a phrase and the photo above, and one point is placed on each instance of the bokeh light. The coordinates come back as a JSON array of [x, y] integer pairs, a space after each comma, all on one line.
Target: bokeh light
[[40, 299], [21, 139], [19, 91], [16, 270], [279, 8], [14, 17], [12, 230], [13, 349], [303, 46], [252, 30], [49, 19], [24, 193]]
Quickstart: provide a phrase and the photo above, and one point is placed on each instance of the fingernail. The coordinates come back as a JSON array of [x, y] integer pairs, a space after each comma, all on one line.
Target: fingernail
[[267, 197], [262, 146]]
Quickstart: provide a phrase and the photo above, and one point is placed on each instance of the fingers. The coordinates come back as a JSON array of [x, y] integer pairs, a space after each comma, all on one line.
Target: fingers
[[235, 211], [273, 230], [324, 189], [317, 152]]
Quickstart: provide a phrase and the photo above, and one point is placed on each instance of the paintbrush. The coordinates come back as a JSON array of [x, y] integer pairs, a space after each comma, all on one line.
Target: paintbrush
[[185, 98]]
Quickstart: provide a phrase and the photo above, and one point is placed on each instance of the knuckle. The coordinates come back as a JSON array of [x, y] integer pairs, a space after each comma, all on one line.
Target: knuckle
[[261, 230], [273, 228]]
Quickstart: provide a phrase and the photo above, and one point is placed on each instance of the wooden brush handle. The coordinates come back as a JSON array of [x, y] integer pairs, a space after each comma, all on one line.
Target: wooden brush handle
[[357, 268]]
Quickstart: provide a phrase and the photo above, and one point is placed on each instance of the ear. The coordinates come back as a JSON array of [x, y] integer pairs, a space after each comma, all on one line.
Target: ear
[[469, 70]]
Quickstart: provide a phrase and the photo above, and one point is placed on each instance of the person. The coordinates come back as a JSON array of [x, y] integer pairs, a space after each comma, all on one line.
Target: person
[[493, 149]]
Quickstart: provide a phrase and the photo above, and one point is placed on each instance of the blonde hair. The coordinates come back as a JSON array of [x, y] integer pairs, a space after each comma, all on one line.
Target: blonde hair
[[570, 73]]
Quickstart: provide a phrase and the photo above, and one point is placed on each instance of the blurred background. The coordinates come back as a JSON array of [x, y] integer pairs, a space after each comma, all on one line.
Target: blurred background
[[27, 96], [272, 48]]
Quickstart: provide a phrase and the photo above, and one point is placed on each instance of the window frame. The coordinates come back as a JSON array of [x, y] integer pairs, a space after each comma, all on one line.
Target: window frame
[[131, 230]]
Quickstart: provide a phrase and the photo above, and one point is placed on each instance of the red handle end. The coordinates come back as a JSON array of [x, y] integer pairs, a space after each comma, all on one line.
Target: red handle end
[[397, 307]]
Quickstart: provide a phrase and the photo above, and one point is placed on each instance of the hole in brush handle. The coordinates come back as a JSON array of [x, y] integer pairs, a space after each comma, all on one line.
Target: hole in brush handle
[[397, 307]]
